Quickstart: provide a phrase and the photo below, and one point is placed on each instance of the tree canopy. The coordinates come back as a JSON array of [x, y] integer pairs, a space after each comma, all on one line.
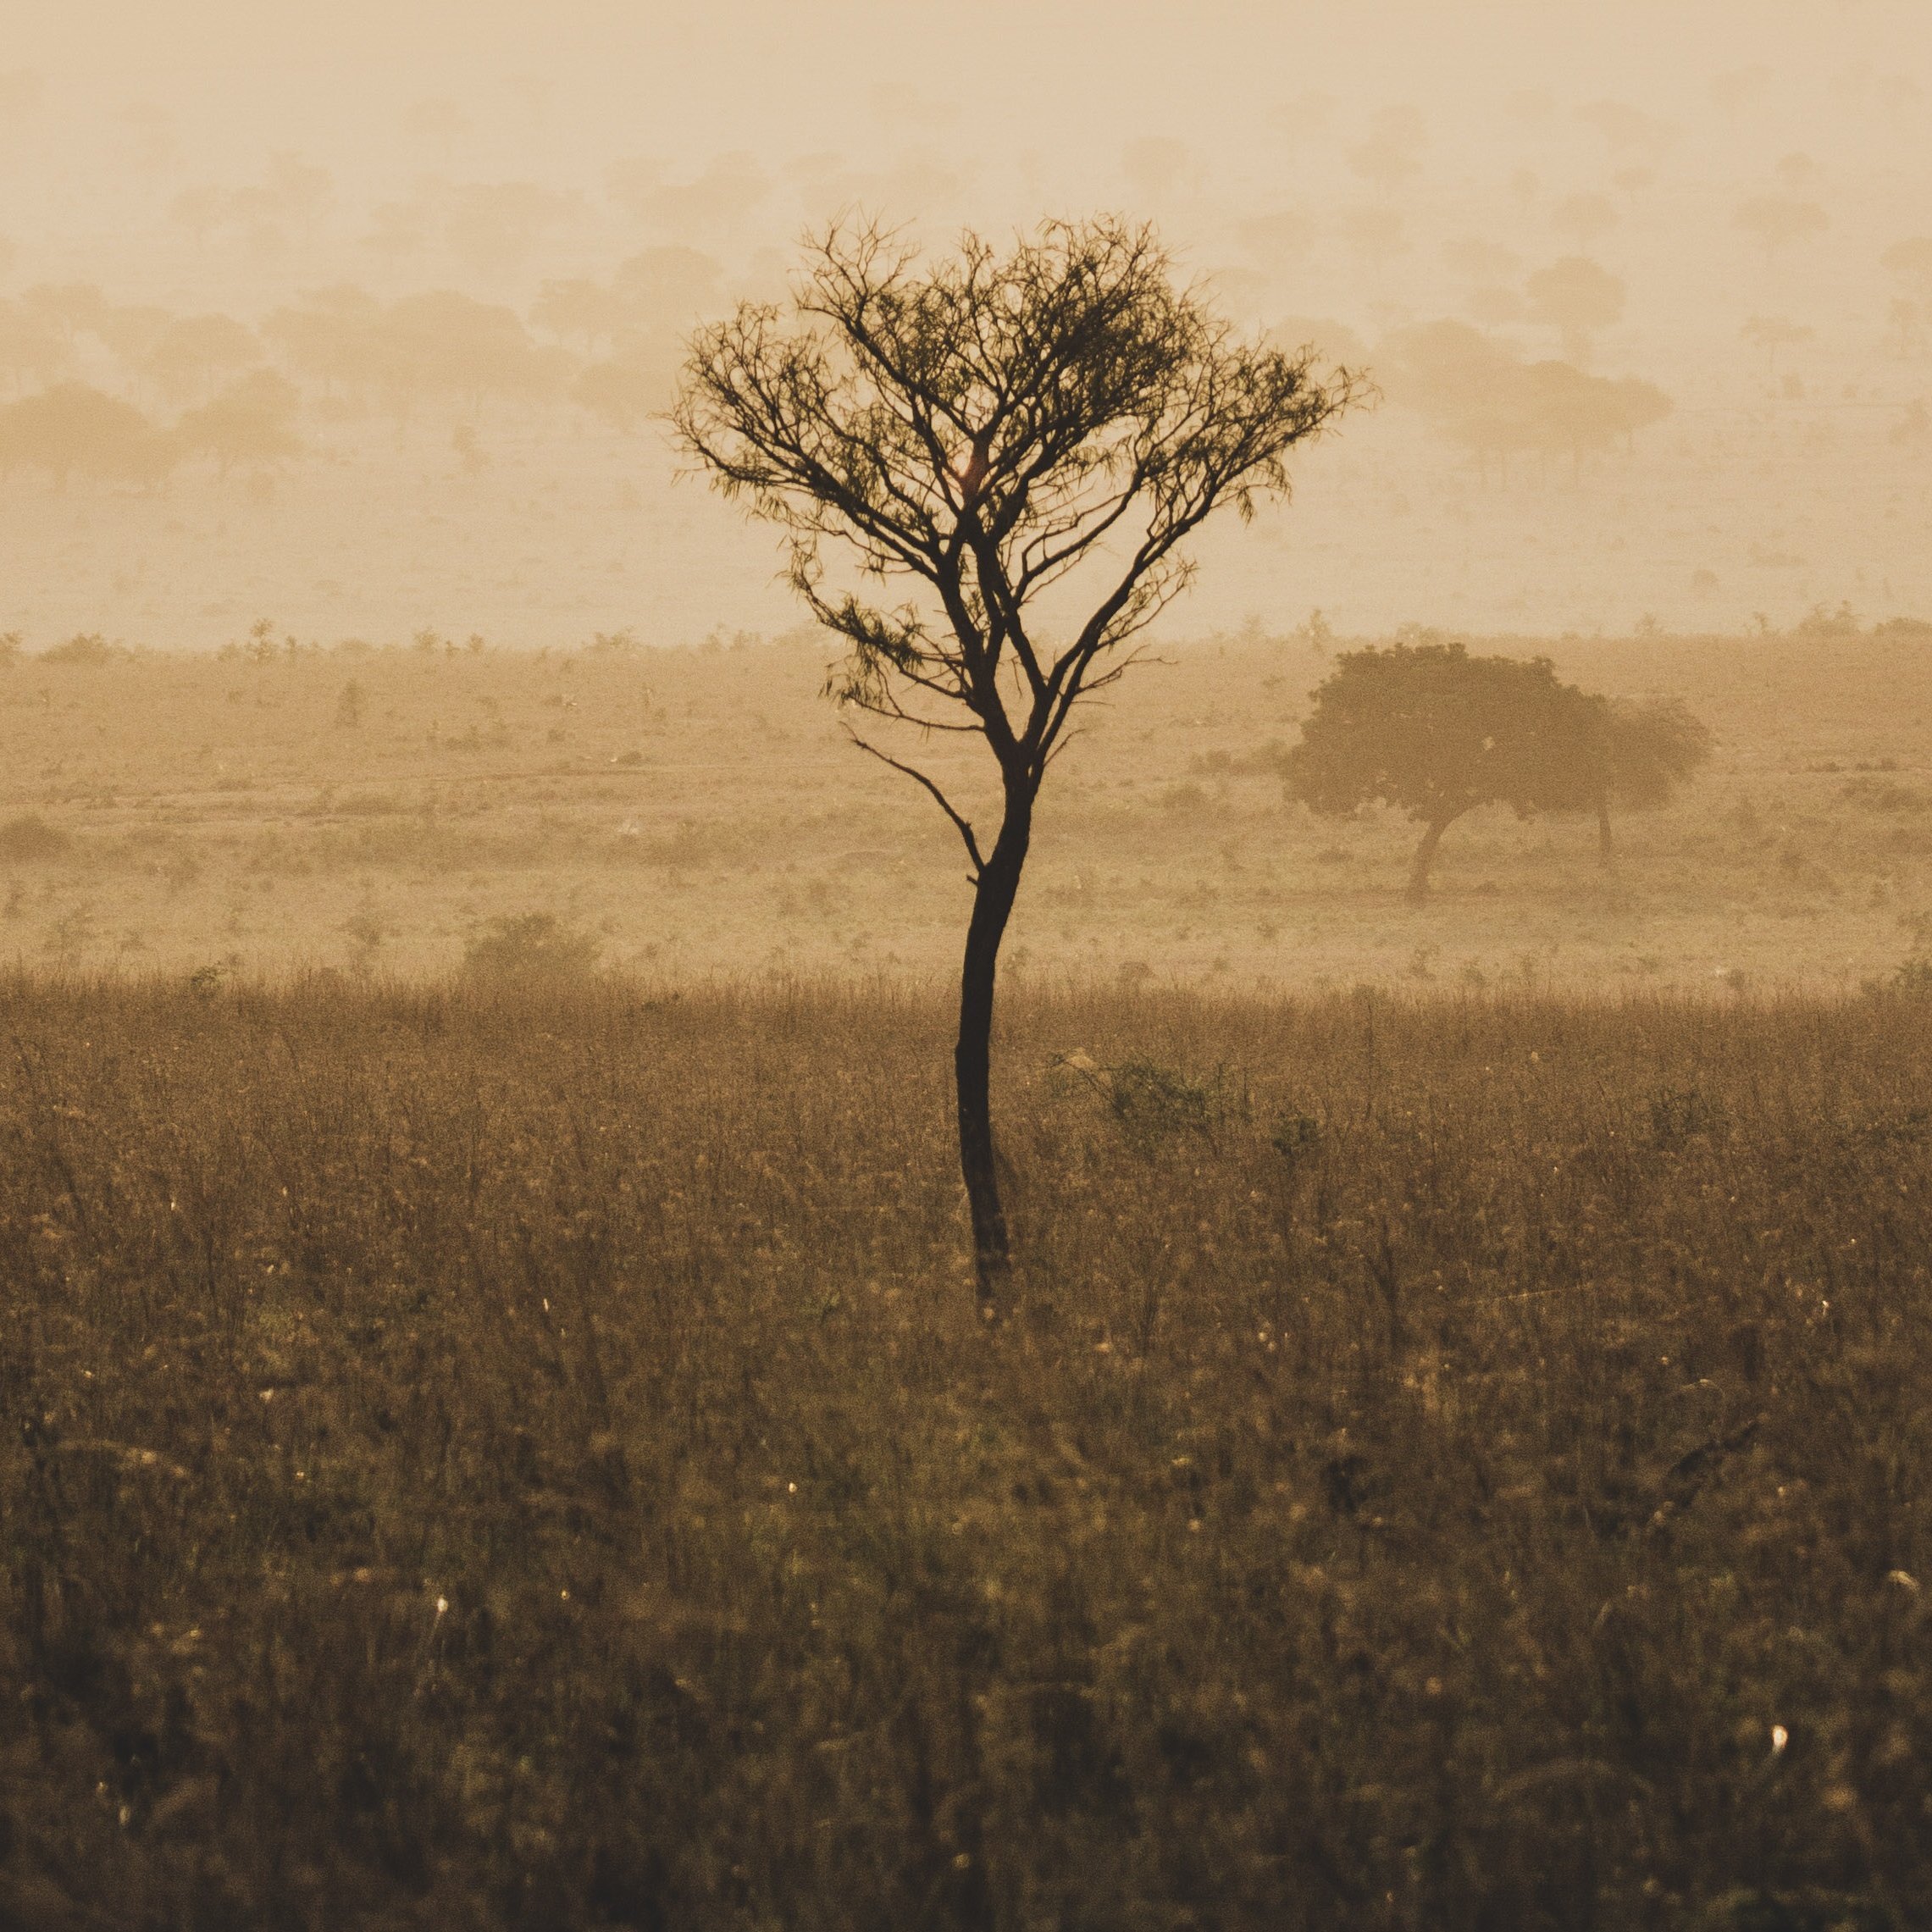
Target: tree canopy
[[1434, 733], [1479, 394], [73, 428]]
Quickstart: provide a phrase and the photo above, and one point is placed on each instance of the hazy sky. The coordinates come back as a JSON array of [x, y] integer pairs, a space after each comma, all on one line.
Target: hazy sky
[[1322, 161], [979, 85]]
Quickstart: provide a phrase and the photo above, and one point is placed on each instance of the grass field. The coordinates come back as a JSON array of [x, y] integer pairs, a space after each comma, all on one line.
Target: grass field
[[528, 1459]]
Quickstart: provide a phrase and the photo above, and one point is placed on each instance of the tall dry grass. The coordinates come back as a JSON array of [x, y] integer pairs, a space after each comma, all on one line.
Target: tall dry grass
[[518, 1458]]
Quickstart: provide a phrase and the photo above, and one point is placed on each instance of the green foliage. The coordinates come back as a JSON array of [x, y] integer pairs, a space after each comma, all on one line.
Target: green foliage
[[530, 946], [523, 1460]]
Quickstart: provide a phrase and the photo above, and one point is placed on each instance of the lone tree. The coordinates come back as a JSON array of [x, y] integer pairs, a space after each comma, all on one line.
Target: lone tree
[[1435, 732], [975, 432]]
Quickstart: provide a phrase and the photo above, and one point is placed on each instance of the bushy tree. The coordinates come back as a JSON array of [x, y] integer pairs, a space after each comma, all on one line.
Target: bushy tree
[[1434, 733], [195, 351], [1776, 221], [1479, 394], [971, 433], [1576, 297], [75, 430], [250, 422]]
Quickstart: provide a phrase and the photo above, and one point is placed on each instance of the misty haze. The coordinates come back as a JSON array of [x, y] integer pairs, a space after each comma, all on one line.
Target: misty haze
[[965, 969]]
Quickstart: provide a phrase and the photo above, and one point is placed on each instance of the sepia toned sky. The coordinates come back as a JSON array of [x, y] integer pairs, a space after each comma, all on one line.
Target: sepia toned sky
[[1356, 171]]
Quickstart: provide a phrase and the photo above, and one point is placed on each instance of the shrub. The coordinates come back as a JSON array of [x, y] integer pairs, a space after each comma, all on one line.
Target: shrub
[[29, 837], [84, 647], [531, 945], [1153, 1103]]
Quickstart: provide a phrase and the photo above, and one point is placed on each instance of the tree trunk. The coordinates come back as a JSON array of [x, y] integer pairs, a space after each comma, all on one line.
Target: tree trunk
[[1606, 856], [1424, 858], [993, 901]]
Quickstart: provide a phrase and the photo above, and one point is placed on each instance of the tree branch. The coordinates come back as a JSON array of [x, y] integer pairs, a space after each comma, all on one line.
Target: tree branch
[[960, 824]]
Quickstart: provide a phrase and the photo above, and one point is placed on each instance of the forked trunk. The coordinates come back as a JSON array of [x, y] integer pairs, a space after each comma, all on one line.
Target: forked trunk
[[1605, 855], [993, 901]]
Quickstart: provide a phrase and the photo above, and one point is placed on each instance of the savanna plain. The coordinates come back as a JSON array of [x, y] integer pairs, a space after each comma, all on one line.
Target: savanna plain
[[502, 1431]]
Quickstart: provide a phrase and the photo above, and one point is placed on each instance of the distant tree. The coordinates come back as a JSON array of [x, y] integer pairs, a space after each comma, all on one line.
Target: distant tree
[[1480, 395], [472, 458], [1377, 235], [1156, 164], [196, 351], [976, 432], [399, 232], [133, 331], [1771, 334], [330, 336], [87, 648], [1479, 261], [726, 191], [1627, 130], [1911, 261], [1280, 238], [1493, 304], [443, 343], [1435, 732], [300, 190], [1576, 297], [70, 309], [1392, 156], [250, 423], [30, 350], [626, 388], [1333, 345], [73, 430], [667, 287], [1584, 218], [530, 947], [199, 210], [585, 310], [1776, 221], [493, 227]]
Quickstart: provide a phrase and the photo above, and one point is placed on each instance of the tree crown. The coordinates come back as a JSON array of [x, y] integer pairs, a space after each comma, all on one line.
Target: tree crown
[[1435, 732], [978, 429]]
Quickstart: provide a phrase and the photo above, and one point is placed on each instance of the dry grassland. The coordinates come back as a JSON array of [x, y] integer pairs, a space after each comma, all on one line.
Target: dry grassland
[[697, 812], [528, 1460]]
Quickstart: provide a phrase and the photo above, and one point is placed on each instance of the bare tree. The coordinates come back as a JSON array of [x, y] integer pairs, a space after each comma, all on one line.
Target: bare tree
[[978, 430]]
